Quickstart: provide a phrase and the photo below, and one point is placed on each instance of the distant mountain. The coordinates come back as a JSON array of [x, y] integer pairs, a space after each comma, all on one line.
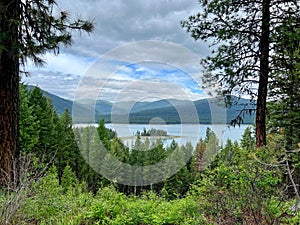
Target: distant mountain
[[142, 106], [60, 104], [171, 111], [203, 111]]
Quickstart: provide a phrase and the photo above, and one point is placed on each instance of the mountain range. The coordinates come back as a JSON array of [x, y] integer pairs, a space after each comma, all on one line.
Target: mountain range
[[169, 111]]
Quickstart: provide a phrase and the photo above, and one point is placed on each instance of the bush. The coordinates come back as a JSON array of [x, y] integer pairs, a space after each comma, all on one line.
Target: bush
[[239, 188], [111, 207]]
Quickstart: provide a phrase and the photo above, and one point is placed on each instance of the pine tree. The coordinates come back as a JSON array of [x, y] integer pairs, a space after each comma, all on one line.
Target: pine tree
[[103, 134], [47, 145], [155, 175], [121, 155], [29, 125], [68, 152], [248, 139], [89, 145], [68, 179], [284, 106], [212, 148], [245, 33], [177, 185], [199, 153], [28, 29]]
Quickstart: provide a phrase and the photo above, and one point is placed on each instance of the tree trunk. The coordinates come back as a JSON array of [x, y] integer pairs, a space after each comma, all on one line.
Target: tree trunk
[[263, 78], [9, 94]]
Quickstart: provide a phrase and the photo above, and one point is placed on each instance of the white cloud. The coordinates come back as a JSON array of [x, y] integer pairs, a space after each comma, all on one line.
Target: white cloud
[[120, 22], [64, 62]]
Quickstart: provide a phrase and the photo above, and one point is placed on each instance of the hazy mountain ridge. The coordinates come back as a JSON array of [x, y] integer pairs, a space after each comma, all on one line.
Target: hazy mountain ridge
[[171, 111]]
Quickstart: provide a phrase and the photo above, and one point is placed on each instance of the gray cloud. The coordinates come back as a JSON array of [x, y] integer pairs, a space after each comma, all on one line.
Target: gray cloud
[[116, 22], [61, 84]]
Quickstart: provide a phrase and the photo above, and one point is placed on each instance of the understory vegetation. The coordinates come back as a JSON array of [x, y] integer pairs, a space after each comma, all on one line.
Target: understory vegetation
[[53, 173], [230, 184]]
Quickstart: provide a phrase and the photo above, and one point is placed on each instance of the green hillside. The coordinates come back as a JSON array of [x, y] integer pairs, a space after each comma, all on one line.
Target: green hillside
[[171, 111]]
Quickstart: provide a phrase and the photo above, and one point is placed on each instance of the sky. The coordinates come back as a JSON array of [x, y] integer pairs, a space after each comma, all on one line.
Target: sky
[[138, 51]]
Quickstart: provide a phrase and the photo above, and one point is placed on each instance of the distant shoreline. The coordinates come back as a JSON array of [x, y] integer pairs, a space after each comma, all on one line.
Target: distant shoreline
[[227, 124], [167, 137]]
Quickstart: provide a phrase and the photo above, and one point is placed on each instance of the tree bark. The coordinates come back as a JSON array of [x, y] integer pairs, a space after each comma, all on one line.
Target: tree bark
[[263, 78], [9, 93]]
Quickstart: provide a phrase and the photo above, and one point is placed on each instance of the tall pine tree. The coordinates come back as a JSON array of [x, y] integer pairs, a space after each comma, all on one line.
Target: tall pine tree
[[245, 33], [284, 107], [27, 30], [29, 124]]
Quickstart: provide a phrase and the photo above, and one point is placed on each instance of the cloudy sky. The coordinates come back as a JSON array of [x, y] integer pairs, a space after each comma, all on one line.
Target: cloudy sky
[[138, 51]]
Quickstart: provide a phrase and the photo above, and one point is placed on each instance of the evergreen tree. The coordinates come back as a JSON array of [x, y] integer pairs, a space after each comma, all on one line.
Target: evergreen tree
[[90, 149], [68, 152], [68, 179], [284, 106], [104, 134], [189, 154], [199, 153], [248, 139], [47, 145], [212, 148], [28, 29], [244, 32], [29, 125], [120, 154], [137, 160], [138, 144], [156, 154], [228, 153], [177, 185]]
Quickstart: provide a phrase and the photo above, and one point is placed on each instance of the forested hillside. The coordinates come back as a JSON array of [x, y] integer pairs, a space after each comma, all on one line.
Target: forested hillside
[[143, 112], [54, 173], [218, 183]]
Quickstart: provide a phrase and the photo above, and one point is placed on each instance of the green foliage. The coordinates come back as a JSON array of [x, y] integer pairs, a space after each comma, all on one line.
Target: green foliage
[[29, 125], [153, 132], [248, 139], [284, 90], [68, 179], [47, 118], [103, 134], [236, 183], [178, 185], [241, 182], [45, 135], [44, 197], [93, 153], [28, 29], [39, 29], [111, 207], [68, 152], [247, 35], [212, 147], [242, 186], [234, 28], [48, 203]]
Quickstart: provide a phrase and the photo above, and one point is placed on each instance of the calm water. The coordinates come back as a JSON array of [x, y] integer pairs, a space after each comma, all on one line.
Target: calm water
[[184, 132]]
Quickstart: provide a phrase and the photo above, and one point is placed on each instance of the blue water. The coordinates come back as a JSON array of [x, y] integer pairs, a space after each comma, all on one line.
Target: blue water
[[187, 132]]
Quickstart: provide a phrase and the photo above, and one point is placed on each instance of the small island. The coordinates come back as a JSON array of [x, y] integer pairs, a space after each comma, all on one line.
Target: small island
[[152, 132]]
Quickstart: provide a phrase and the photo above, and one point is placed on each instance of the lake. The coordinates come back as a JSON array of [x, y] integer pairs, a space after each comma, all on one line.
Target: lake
[[183, 132]]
